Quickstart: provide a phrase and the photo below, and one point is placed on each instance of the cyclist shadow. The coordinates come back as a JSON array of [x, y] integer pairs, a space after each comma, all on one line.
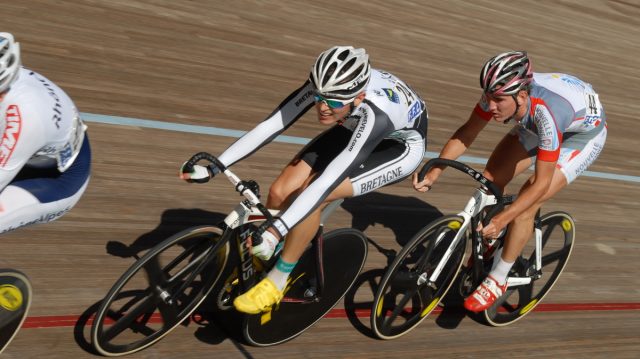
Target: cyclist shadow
[[172, 221], [404, 216]]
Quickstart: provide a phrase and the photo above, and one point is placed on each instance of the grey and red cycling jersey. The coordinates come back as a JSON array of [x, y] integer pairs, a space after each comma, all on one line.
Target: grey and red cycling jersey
[[559, 105], [390, 110]]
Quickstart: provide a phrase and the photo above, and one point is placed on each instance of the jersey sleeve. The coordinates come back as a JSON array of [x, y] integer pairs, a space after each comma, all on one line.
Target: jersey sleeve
[[482, 109], [22, 138], [549, 136], [372, 128], [286, 114]]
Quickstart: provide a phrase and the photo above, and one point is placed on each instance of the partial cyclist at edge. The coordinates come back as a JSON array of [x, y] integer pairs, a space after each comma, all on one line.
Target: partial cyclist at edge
[[45, 158], [560, 126], [377, 137]]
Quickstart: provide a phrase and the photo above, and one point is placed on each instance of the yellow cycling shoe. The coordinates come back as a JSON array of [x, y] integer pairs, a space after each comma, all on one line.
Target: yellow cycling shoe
[[259, 298]]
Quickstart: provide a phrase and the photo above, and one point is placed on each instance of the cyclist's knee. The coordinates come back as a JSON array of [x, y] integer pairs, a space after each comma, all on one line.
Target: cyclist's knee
[[279, 195]]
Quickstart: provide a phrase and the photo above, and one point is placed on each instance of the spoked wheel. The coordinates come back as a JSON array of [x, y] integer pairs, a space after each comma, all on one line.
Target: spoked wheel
[[159, 291], [558, 234], [343, 257], [405, 295], [15, 301]]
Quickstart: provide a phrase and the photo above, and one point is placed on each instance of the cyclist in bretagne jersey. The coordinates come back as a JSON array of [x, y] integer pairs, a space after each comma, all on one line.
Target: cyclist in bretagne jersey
[[45, 156], [560, 126], [377, 137]]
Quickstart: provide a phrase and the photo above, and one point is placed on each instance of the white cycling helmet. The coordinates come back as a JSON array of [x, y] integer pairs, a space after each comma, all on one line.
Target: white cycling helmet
[[341, 72], [9, 60], [506, 73]]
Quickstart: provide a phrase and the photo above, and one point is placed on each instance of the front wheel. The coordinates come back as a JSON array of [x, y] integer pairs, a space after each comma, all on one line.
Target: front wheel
[[159, 291], [558, 234], [405, 295], [15, 301]]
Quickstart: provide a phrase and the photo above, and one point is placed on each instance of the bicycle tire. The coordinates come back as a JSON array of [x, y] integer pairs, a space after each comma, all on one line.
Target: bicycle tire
[[180, 272], [290, 319], [519, 301], [390, 316], [15, 302]]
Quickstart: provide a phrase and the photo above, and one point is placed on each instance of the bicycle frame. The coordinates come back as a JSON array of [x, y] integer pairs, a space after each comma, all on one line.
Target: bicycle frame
[[471, 219], [252, 210]]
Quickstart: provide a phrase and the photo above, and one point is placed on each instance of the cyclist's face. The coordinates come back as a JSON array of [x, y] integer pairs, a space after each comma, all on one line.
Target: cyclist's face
[[504, 107], [328, 115]]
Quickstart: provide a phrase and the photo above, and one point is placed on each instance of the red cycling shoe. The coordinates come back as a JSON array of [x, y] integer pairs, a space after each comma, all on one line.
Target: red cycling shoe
[[485, 295]]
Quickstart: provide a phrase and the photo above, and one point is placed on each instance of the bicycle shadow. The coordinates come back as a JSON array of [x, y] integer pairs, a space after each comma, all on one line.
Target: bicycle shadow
[[404, 216], [172, 221]]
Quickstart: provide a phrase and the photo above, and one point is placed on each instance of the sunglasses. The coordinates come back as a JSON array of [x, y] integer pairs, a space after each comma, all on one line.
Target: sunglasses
[[333, 104]]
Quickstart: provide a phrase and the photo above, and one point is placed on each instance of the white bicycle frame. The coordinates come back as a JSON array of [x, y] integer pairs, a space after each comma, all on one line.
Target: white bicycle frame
[[476, 204]]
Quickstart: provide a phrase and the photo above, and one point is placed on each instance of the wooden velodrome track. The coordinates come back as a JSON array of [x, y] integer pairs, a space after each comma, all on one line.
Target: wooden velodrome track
[[227, 64]]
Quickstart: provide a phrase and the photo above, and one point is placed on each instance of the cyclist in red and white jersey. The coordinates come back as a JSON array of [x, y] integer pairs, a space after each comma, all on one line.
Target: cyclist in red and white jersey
[[45, 156], [560, 126], [377, 137]]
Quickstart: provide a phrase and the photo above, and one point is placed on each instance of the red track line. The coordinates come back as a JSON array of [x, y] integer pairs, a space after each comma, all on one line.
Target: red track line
[[57, 321]]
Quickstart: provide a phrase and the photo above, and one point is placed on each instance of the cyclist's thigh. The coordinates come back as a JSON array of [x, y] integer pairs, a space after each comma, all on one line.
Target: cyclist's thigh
[[390, 162], [579, 151], [21, 208], [325, 148], [512, 156], [313, 158], [42, 195]]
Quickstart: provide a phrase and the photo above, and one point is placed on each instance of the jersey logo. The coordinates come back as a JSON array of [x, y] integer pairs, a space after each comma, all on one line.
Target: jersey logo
[[391, 95], [11, 134], [414, 111], [547, 133]]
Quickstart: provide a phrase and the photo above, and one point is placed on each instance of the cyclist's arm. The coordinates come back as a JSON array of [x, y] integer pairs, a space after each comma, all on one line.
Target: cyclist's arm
[[460, 141], [286, 114], [370, 131]]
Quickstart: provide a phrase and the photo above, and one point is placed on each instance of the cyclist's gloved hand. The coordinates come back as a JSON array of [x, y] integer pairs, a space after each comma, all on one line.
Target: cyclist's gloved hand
[[198, 174], [263, 243]]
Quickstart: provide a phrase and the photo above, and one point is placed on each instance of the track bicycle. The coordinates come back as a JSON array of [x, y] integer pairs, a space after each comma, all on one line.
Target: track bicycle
[[427, 266], [168, 283], [15, 301]]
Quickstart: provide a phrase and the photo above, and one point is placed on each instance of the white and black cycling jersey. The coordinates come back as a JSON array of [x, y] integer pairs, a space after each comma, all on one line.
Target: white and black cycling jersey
[[390, 110]]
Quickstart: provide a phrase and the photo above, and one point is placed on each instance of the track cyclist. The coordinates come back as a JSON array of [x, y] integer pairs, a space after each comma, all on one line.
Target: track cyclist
[[377, 137], [45, 156], [559, 123]]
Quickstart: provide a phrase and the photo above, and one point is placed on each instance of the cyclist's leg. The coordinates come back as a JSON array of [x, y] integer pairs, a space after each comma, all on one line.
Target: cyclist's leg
[[302, 234], [522, 226], [390, 162], [577, 153], [42, 195], [510, 158], [314, 157]]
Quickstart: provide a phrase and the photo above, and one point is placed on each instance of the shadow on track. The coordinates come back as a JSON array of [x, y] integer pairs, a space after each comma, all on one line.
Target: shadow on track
[[171, 222]]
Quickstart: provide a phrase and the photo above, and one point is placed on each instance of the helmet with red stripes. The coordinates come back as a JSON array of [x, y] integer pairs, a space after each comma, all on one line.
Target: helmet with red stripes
[[506, 73]]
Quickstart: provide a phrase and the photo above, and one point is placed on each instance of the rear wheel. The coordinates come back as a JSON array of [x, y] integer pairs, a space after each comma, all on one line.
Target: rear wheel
[[15, 301], [558, 234], [344, 253], [159, 291], [405, 297]]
